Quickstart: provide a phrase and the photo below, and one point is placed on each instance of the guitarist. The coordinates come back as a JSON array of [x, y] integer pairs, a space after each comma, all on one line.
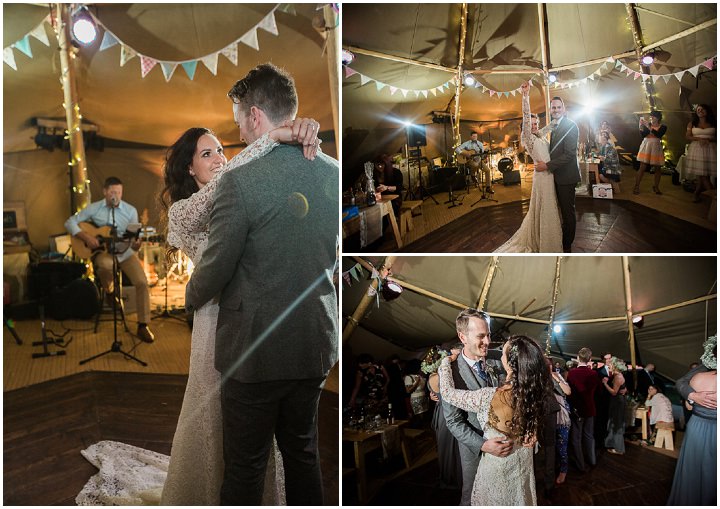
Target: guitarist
[[100, 214], [472, 150]]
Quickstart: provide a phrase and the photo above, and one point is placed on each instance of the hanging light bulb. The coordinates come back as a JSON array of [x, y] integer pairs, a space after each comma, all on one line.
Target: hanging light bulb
[[552, 77], [83, 27], [648, 58], [469, 79]]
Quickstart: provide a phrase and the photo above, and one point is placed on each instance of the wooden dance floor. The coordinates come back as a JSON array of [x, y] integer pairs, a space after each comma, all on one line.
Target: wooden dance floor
[[47, 425], [603, 226]]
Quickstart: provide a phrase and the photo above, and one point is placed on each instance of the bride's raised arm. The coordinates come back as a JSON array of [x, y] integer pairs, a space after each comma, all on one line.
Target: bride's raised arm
[[526, 137], [467, 400]]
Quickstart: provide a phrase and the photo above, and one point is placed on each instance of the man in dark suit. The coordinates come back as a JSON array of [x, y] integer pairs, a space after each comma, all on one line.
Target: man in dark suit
[[563, 164], [270, 257], [602, 404], [471, 371], [645, 378], [583, 383]]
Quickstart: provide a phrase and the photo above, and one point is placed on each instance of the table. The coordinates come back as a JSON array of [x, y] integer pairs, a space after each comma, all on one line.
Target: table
[[385, 203], [363, 443], [642, 414], [591, 167]]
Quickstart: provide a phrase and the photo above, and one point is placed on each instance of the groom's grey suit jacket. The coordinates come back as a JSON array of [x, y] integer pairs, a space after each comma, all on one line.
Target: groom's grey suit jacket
[[563, 153], [271, 253]]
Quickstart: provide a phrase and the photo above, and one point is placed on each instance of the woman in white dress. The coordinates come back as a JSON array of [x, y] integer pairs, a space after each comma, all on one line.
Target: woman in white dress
[[701, 157], [193, 473], [540, 231], [516, 411]]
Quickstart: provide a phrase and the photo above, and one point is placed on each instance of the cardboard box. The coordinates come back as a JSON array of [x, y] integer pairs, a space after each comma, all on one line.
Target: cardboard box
[[602, 191]]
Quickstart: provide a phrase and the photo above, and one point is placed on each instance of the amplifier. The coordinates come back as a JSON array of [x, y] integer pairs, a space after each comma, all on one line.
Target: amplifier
[[511, 177]]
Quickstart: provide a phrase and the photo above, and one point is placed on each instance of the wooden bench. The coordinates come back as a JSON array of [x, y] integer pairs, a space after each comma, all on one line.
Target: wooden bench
[[408, 209]]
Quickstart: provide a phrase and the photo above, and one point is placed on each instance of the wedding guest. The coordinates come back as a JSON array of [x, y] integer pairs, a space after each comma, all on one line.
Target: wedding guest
[[396, 387], [645, 378], [561, 390], [370, 385], [602, 402], [605, 129], [389, 180], [583, 383], [651, 150], [661, 415], [609, 163], [615, 439], [415, 387], [701, 156], [695, 481]]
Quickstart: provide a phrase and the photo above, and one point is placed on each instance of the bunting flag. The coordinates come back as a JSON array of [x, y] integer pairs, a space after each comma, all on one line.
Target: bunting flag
[[349, 71], [190, 68], [250, 39], [393, 90], [40, 34], [211, 62], [356, 272], [268, 24], [108, 41], [146, 65], [230, 52], [24, 45], [9, 57], [346, 277], [379, 85], [709, 63], [126, 53], [364, 80], [168, 69]]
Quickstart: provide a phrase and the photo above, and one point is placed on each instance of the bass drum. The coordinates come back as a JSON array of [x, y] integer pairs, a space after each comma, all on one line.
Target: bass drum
[[505, 164]]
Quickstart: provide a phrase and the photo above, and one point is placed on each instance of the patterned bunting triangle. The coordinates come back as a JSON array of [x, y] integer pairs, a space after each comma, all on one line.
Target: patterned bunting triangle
[[108, 41], [708, 63], [126, 53], [146, 65], [379, 85], [9, 57], [346, 277], [655, 77], [679, 75], [349, 71], [417, 93], [168, 68], [250, 39], [404, 92], [434, 91], [268, 23], [190, 68], [230, 52], [618, 64], [694, 70], [24, 46], [211, 62], [667, 77], [364, 80], [393, 90], [425, 93], [288, 8], [40, 34]]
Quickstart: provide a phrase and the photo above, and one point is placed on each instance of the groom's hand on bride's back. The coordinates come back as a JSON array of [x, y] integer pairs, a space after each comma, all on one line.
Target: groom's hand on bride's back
[[499, 446]]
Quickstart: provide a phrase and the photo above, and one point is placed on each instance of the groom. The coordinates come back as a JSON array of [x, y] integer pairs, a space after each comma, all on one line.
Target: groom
[[270, 258], [564, 166], [471, 371]]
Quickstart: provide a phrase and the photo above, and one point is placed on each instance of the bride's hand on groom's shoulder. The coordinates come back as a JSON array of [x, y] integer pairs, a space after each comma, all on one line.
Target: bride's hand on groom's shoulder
[[302, 131]]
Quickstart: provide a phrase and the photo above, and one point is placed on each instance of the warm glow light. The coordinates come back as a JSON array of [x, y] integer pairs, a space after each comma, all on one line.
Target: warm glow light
[[84, 30]]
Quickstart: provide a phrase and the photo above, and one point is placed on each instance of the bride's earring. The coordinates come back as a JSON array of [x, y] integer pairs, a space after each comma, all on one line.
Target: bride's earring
[[192, 173]]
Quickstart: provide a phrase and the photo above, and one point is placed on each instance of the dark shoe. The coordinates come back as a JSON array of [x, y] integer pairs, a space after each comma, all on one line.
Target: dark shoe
[[144, 334], [656, 190], [636, 190], [489, 190]]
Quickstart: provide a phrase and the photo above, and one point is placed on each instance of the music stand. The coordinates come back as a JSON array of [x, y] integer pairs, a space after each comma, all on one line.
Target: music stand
[[116, 345]]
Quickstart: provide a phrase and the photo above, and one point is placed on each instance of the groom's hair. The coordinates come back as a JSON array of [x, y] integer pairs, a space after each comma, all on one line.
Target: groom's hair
[[269, 88], [463, 319]]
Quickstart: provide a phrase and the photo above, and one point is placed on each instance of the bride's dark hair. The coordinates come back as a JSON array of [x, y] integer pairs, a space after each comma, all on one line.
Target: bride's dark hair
[[530, 386]]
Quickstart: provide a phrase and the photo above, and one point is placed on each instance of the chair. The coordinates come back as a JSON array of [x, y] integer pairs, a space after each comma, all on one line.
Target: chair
[[105, 305], [664, 436]]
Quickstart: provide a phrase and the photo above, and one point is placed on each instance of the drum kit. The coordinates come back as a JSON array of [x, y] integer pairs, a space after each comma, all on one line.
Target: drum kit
[[496, 159]]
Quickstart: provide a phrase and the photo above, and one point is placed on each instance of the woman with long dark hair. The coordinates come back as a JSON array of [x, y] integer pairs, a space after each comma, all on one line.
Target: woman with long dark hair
[[701, 157], [515, 411], [615, 438]]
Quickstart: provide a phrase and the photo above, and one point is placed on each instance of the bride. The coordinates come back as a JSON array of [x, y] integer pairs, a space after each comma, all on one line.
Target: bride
[[193, 473], [515, 410], [540, 231]]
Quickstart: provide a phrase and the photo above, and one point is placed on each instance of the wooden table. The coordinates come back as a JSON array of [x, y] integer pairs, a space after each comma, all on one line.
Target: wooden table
[[363, 443], [642, 414], [385, 203], [592, 167]]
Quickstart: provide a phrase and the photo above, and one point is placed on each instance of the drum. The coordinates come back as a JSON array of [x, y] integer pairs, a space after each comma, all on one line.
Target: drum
[[505, 164]]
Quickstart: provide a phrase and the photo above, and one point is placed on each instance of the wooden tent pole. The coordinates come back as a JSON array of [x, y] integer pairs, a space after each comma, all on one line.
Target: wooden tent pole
[[393, 58], [638, 41], [704, 298], [333, 59], [486, 284], [459, 79], [680, 35], [629, 315], [80, 192], [556, 289], [354, 320], [545, 51]]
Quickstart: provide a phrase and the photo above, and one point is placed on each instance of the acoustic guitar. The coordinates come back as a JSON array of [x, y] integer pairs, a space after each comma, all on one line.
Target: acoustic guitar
[[103, 234]]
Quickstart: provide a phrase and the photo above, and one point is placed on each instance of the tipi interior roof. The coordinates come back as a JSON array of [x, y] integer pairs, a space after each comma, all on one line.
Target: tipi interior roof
[[519, 298], [506, 36]]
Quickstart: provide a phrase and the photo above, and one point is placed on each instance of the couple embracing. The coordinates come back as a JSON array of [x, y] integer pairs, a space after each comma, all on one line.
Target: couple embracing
[[544, 229], [495, 409]]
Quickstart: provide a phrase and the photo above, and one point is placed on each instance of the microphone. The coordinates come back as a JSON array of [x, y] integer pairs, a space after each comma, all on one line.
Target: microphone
[[114, 201]]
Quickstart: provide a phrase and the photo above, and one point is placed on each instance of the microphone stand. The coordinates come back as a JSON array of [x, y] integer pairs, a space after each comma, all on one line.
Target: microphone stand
[[116, 345]]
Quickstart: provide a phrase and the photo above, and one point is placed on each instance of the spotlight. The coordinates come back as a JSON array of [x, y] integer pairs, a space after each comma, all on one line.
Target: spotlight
[[469, 80], [638, 321], [407, 123], [557, 329], [552, 77], [347, 57], [391, 290], [648, 58], [83, 28]]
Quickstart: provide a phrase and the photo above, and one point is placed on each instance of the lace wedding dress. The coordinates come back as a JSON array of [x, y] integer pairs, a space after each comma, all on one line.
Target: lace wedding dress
[[499, 481], [540, 231], [193, 473]]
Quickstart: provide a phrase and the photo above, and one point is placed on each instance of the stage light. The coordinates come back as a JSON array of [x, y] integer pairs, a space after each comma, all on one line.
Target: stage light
[[469, 80], [557, 329], [648, 58], [407, 123], [638, 321], [552, 77], [391, 290], [83, 27], [347, 57]]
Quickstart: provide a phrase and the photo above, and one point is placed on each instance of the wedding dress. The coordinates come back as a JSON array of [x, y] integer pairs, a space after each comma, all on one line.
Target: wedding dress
[[499, 481], [193, 473], [540, 231]]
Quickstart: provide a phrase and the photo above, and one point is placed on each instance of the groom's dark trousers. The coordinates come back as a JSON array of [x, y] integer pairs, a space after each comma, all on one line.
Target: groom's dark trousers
[[252, 412]]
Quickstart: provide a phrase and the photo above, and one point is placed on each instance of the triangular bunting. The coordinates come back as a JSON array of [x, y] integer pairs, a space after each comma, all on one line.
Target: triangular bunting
[[108, 41], [24, 46], [288, 8], [404, 92], [40, 34], [679, 75], [592, 77], [393, 90], [349, 71], [230, 52], [250, 39], [694, 70], [628, 71], [708, 63], [346, 277], [146, 65], [126, 53], [9, 57], [513, 92], [667, 77], [190, 68], [356, 273], [211, 62], [618, 64], [168, 68], [636, 75], [268, 23], [425, 93], [434, 91], [584, 81], [440, 89], [417, 93], [375, 274], [379, 85], [655, 77], [364, 80], [492, 93]]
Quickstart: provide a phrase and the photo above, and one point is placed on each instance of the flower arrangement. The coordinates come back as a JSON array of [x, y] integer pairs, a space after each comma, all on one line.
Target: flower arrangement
[[431, 362], [709, 356]]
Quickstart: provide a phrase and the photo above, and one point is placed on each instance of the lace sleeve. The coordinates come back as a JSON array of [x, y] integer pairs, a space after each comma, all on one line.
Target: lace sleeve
[[526, 136], [470, 401]]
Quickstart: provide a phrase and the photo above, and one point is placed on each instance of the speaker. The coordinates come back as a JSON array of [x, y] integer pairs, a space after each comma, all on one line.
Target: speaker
[[417, 136], [44, 277], [78, 299], [511, 177]]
